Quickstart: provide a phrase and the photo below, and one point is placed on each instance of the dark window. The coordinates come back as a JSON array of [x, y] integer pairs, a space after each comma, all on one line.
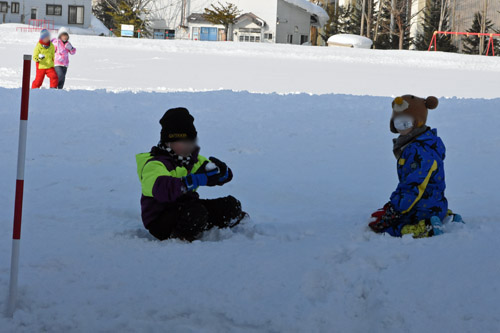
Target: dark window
[[304, 39], [4, 7], [76, 14], [55, 10], [14, 7], [170, 34], [290, 39], [268, 36], [33, 13]]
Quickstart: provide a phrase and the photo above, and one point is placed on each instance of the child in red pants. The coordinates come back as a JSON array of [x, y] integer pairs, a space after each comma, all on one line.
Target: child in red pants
[[44, 57]]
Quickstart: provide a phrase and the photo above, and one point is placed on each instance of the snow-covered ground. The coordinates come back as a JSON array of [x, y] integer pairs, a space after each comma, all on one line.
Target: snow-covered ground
[[119, 64], [308, 168]]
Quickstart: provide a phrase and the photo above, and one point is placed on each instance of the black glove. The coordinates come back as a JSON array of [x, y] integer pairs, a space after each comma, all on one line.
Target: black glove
[[225, 174]]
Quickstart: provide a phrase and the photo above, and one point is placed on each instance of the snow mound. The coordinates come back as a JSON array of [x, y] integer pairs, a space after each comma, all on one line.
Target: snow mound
[[348, 40], [308, 169], [312, 9]]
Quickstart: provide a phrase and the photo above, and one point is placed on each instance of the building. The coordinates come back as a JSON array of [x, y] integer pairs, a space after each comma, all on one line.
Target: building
[[62, 12], [271, 21]]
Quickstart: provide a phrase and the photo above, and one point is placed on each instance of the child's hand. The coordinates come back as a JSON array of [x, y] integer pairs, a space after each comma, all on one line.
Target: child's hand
[[68, 46], [225, 174], [200, 178], [41, 56]]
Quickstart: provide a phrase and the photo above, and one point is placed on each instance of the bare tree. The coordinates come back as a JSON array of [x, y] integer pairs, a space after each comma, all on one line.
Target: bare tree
[[222, 14]]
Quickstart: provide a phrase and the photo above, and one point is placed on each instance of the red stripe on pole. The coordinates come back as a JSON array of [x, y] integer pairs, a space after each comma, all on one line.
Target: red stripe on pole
[[25, 97], [18, 210]]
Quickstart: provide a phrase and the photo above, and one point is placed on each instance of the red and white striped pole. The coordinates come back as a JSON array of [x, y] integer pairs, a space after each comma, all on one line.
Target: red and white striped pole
[[18, 210]]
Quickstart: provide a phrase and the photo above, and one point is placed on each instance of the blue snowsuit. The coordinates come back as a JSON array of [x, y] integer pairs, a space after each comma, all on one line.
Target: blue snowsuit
[[420, 192]]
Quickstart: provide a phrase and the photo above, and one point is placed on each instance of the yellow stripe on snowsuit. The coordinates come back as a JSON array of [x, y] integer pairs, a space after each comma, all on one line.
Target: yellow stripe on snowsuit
[[423, 186]]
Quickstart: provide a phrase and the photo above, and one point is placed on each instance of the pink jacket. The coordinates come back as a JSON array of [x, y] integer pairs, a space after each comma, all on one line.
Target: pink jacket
[[62, 53]]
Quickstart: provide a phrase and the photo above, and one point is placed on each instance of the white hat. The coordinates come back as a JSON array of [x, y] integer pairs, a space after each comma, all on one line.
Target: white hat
[[62, 31]]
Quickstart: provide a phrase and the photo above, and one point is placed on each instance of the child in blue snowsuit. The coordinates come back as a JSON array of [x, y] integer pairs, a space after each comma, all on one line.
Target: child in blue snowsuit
[[418, 205]]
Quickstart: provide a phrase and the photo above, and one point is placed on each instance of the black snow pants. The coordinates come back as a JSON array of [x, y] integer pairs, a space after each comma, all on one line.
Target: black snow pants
[[187, 220]]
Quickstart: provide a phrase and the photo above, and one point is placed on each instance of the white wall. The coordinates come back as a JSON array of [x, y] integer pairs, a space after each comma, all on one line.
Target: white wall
[[26, 5], [292, 21]]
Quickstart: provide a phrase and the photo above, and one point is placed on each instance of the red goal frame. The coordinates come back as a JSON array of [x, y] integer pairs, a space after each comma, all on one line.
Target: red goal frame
[[491, 45]]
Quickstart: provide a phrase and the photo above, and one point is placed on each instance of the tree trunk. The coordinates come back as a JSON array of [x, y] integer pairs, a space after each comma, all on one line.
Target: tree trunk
[[369, 19], [363, 17], [483, 27], [393, 8], [378, 22]]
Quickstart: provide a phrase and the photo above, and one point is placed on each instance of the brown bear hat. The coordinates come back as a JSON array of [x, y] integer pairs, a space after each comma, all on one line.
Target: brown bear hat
[[413, 106]]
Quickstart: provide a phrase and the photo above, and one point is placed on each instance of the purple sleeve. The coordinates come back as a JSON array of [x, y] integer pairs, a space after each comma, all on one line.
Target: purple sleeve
[[167, 189], [73, 50]]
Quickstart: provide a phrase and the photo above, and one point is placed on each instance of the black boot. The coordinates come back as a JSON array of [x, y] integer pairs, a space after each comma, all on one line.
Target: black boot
[[224, 212]]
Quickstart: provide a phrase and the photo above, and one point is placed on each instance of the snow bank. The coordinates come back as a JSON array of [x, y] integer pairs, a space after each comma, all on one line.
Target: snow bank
[[308, 169], [349, 40], [311, 8]]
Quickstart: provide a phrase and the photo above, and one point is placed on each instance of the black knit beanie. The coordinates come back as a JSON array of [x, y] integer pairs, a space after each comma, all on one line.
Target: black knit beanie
[[176, 125]]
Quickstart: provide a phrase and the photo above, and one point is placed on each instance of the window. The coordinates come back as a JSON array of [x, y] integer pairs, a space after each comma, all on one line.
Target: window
[[250, 38], [289, 39], [34, 13], [304, 39], [255, 31], [170, 34], [268, 36], [55, 10], [4, 7], [14, 7], [75, 14]]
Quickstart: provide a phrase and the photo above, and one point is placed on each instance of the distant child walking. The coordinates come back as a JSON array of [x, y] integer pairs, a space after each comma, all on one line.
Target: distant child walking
[[63, 50], [44, 58]]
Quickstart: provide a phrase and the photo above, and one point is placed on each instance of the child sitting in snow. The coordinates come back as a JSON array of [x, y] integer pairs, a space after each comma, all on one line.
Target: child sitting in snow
[[418, 205], [170, 175], [44, 58], [63, 49]]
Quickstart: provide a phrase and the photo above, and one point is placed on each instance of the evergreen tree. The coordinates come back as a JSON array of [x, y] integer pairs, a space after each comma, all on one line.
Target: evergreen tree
[[340, 21], [346, 24], [222, 14], [101, 10], [332, 26], [471, 43], [432, 16], [114, 13], [130, 12]]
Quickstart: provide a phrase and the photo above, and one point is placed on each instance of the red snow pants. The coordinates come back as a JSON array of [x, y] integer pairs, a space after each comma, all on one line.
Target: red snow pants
[[40, 76]]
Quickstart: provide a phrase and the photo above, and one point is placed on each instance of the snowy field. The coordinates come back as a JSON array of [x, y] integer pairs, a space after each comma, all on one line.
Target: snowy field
[[308, 168], [154, 65]]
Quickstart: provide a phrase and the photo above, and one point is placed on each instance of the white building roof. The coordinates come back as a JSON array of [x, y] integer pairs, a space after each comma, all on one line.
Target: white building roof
[[312, 9]]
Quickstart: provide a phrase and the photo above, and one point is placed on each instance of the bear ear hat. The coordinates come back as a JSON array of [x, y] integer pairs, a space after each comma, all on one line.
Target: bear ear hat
[[431, 102]]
